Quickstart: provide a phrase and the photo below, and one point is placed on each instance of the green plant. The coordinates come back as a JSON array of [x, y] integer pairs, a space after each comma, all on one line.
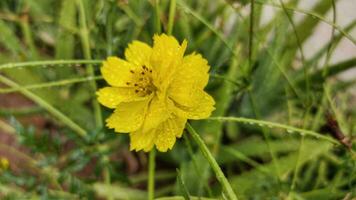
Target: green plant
[[266, 132]]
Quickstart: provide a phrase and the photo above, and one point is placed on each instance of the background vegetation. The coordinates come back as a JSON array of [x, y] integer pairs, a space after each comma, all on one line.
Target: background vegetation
[[276, 143]]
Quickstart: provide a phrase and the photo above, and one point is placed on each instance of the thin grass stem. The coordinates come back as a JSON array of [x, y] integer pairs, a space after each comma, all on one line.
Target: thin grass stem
[[300, 149], [312, 14], [300, 47], [51, 84], [290, 129], [172, 12], [250, 38], [227, 189], [48, 63], [85, 39], [158, 17], [38, 100], [265, 135], [329, 49], [195, 164]]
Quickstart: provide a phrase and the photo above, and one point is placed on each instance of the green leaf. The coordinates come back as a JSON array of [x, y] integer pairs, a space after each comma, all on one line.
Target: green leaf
[[118, 192], [245, 184]]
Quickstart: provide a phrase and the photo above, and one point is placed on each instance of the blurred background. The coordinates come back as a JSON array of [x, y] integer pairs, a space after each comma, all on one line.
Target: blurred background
[[289, 69]]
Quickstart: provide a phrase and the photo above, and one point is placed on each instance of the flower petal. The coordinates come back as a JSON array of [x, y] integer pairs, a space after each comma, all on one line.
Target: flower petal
[[144, 138], [138, 53], [112, 96], [167, 54], [140, 140], [117, 71], [203, 108], [167, 132], [157, 113], [128, 116], [192, 75]]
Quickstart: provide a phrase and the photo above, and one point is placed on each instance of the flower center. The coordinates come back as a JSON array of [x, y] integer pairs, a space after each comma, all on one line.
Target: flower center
[[142, 81]]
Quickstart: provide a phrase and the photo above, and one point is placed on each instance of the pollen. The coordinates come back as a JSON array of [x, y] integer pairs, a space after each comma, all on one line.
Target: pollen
[[143, 82]]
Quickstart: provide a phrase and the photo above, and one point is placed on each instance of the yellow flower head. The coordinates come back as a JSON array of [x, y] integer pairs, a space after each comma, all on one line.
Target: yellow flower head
[[4, 163], [154, 91]]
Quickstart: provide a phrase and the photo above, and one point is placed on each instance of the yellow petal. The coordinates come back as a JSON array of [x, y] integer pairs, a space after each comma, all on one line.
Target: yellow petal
[[117, 71], [138, 53], [167, 54], [191, 76], [140, 140], [203, 108], [112, 96], [128, 116], [167, 132], [157, 113]]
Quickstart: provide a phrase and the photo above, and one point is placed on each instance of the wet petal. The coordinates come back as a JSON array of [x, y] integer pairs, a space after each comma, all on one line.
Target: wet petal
[[167, 54], [191, 76], [140, 140], [203, 108], [157, 113], [112, 96], [167, 132], [117, 71], [138, 53], [128, 116]]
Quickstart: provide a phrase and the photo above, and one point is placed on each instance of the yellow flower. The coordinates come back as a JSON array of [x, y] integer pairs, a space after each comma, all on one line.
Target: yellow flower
[[154, 91], [4, 163]]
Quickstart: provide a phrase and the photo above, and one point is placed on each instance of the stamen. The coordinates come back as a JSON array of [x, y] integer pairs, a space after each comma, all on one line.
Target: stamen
[[142, 83]]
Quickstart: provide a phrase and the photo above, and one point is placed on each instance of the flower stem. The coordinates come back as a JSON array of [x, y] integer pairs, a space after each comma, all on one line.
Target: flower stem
[[151, 174], [250, 41], [157, 19], [172, 12], [107, 177], [84, 36], [227, 189]]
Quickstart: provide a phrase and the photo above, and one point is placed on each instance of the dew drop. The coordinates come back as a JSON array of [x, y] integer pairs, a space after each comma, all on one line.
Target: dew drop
[[290, 131]]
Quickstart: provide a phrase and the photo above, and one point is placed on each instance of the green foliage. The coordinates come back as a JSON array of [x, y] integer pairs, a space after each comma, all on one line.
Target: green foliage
[[267, 133]]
